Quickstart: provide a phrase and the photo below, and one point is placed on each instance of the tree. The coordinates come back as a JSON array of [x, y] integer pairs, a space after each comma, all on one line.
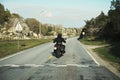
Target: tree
[[115, 4], [112, 28], [7, 15], [115, 22], [44, 29], [47, 29], [94, 25], [4, 14], [33, 24], [14, 15]]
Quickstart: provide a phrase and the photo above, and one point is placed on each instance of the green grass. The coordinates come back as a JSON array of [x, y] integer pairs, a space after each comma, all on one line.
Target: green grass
[[92, 41], [110, 53], [105, 53], [11, 47]]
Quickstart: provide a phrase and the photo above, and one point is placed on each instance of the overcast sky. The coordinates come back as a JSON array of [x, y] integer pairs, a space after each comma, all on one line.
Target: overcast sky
[[69, 13]]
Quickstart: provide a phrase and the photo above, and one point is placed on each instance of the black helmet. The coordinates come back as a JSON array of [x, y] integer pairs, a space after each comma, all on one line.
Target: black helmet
[[59, 35]]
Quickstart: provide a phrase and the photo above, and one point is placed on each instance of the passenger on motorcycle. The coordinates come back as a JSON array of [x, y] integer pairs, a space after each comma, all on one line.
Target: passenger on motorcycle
[[59, 40]]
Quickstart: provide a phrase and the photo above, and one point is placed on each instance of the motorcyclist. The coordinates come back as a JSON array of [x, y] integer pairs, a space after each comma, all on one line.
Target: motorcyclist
[[59, 40], [82, 34]]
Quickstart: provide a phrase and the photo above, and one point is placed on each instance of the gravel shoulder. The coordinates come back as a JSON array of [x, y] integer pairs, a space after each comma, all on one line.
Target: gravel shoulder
[[102, 62]]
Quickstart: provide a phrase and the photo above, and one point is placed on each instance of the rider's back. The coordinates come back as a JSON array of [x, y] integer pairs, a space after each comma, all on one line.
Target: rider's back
[[59, 40]]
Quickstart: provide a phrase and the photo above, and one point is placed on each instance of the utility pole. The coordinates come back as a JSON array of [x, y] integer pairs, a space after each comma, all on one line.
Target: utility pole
[[40, 25]]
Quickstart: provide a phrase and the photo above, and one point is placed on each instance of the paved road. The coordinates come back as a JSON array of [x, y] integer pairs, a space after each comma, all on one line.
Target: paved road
[[38, 64]]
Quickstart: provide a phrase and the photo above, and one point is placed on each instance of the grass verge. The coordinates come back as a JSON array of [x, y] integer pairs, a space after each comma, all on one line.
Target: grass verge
[[106, 54], [11, 47], [110, 53], [92, 41]]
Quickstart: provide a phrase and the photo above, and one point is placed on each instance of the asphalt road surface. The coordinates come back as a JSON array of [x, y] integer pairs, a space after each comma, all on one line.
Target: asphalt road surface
[[38, 64]]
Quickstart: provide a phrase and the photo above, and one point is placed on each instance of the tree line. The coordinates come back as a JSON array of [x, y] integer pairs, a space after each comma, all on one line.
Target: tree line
[[49, 29], [105, 26], [7, 20], [4, 14]]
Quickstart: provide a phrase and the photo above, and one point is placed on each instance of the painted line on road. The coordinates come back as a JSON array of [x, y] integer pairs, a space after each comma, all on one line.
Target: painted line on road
[[10, 65], [55, 65], [91, 55], [15, 54], [10, 56], [51, 65], [50, 57], [25, 65], [77, 65]]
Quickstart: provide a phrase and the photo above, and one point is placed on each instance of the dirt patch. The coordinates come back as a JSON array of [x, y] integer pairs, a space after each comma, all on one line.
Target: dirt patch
[[102, 62]]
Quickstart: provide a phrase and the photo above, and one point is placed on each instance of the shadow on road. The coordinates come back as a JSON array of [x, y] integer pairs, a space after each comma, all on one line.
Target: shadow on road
[[57, 56]]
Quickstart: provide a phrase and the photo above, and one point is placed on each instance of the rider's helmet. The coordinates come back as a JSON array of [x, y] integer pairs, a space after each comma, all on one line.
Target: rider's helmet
[[59, 35]]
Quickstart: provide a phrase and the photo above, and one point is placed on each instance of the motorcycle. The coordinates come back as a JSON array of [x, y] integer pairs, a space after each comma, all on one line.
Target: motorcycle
[[59, 50]]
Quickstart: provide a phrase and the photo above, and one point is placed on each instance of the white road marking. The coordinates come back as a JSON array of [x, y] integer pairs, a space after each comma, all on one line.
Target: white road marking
[[51, 65], [10, 65], [77, 65], [50, 57], [33, 65], [15, 54], [10, 56], [91, 56], [15, 65]]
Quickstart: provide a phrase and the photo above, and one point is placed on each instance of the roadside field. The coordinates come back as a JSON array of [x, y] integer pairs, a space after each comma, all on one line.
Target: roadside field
[[11, 47]]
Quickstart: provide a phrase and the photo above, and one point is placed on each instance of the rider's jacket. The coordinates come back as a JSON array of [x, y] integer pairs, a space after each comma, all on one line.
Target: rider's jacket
[[59, 40]]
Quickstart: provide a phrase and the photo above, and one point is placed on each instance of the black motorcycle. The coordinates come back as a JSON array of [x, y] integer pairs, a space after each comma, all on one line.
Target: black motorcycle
[[58, 50]]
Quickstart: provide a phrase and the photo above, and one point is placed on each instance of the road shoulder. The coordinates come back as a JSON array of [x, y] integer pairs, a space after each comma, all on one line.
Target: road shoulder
[[102, 62]]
